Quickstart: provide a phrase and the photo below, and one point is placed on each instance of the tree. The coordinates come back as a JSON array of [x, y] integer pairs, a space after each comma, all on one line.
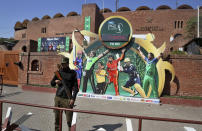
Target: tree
[[191, 27]]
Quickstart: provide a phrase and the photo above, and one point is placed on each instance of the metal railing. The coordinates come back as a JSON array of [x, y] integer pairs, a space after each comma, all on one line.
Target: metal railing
[[140, 118]]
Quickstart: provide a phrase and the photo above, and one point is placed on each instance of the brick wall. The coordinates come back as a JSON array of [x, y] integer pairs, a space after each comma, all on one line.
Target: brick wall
[[19, 33], [164, 19], [188, 69], [3, 48], [91, 10], [30, 45], [58, 27], [188, 81], [20, 44], [47, 65]]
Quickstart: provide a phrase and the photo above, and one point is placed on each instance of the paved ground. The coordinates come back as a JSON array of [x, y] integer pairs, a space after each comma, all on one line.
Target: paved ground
[[44, 119]]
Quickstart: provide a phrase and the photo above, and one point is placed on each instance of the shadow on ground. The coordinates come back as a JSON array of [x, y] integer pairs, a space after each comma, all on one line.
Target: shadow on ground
[[34, 130], [10, 94], [107, 127]]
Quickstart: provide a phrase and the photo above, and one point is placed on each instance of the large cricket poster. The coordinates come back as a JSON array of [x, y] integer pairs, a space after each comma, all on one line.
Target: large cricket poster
[[117, 66]]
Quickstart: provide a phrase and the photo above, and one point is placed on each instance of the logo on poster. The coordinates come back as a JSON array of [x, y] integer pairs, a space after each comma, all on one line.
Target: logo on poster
[[109, 98], [115, 32], [118, 28]]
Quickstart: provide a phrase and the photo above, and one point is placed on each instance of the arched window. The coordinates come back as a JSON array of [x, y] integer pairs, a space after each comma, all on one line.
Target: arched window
[[181, 24], [24, 49], [177, 35], [35, 65], [175, 24], [178, 24], [171, 49]]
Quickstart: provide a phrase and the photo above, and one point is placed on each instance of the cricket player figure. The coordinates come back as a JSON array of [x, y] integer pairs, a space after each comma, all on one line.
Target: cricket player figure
[[133, 76], [112, 69], [149, 78]]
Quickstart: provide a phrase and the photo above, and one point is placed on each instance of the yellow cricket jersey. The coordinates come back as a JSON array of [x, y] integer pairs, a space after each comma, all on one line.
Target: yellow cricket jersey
[[100, 76]]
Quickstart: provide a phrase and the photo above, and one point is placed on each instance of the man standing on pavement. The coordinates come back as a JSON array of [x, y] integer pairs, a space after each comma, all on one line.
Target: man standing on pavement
[[66, 79]]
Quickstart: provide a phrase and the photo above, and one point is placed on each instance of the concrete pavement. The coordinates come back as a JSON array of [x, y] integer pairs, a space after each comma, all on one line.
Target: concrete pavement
[[44, 119]]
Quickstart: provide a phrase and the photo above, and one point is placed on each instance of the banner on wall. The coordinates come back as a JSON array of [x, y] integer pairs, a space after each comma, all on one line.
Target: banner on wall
[[87, 23], [39, 45], [119, 66], [87, 27], [67, 44], [59, 44]]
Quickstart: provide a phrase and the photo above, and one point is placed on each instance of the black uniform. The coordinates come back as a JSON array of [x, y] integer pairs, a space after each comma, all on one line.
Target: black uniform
[[62, 99]]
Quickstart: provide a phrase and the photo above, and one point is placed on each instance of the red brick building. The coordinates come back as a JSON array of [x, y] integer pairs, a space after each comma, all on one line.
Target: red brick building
[[166, 24]]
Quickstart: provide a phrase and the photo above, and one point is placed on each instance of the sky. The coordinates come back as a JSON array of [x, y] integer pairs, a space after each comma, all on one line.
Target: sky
[[12, 11]]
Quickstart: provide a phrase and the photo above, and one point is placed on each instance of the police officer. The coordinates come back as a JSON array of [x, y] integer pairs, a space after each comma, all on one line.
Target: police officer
[[66, 79]]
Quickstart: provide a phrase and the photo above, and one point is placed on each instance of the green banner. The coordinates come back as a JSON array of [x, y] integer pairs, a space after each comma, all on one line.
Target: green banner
[[39, 45], [87, 23], [67, 43]]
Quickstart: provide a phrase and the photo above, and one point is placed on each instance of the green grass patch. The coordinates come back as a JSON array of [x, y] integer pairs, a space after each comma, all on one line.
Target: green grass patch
[[178, 52], [48, 86], [186, 97]]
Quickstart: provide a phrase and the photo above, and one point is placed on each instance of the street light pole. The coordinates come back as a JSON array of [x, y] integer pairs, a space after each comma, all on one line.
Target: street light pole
[[176, 4], [198, 23], [103, 5], [117, 5]]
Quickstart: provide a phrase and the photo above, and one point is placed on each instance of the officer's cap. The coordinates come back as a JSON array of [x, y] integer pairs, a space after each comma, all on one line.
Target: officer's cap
[[65, 60]]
